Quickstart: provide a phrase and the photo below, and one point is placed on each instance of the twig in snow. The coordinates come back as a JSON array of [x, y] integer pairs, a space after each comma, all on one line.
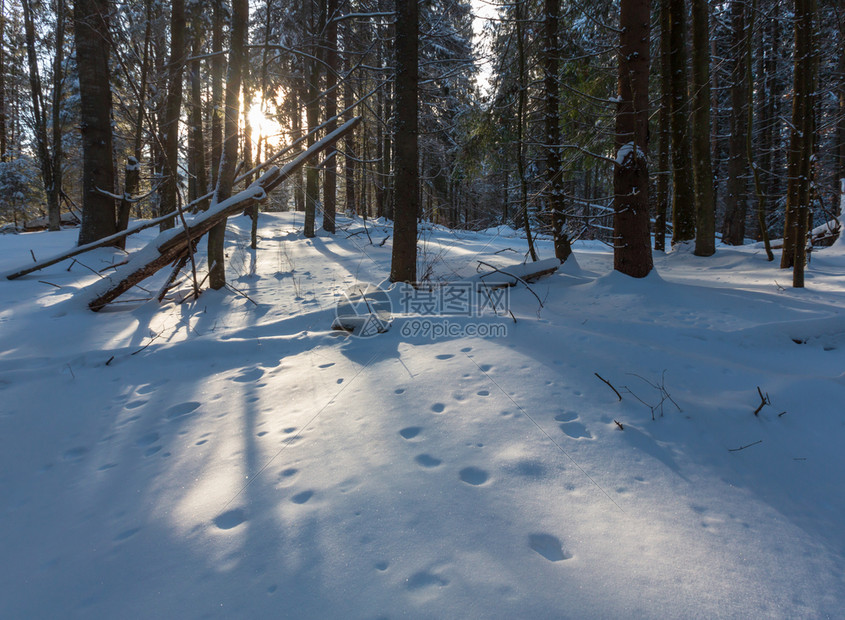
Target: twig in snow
[[34, 260], [152, 340], [609, 385], [744, 447], [764, 400], [619, 424], [50, 283]]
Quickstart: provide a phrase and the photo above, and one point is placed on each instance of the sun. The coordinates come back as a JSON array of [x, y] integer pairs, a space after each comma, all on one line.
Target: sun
[[262, 125]]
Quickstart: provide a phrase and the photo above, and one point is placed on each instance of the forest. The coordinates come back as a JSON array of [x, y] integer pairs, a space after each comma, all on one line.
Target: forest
[[422, 309], [636, 123]]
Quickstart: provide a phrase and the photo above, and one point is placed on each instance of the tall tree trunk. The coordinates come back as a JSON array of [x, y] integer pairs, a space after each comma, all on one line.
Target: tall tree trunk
[[196, 157], [229, 158], [55, 193], [632, 243], [3, 117], [217, 61], [801, 141], [349, 149], [403, 266], [705, 207], [664, 131], [522, 104], [554, 169], [840, 167], [39, 114], [312, 117], [330, 183], [683, 198], [736, 206], [172, 112], [91, 33]]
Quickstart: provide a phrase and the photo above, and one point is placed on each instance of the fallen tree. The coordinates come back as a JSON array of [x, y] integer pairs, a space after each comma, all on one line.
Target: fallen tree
[[173, 245]]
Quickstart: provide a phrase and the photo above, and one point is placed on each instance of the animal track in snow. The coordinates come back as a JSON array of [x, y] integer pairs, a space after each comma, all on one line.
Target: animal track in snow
[[425, 579], [427, 461], [410, 432], [445, 356], [576, 430], [483, 392], [182, 409], [548, 546], [147, 440], [301, 498], [248, 376], [438, 407], [474, 476], [230, 519]]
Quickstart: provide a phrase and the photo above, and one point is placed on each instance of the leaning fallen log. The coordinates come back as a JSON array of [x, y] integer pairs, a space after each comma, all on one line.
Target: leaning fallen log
[[173, 244]]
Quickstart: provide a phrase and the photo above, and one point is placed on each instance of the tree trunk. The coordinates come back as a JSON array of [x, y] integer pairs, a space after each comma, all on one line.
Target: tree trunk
[[229, 158], [349, 150], [403, 266], [216, 89], [522, 104], [196, 157], [664, 132], [705, 207], [554, 169], [39, 114], [801, 142], [330, 182], [172, 112], [3, 117], [683, 199], [736, 206], [632, 243], [92, 58], [312, 117], [55, 192]]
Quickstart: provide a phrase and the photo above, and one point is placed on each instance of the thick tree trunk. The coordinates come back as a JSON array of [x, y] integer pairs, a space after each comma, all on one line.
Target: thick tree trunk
[[736, 201], [229, 158], [801, 141], [172, 112], [632, 243], [92, 58], [705, 207], [522, 104], [664, 132], [403, 266], [683, 198], [312, 117]]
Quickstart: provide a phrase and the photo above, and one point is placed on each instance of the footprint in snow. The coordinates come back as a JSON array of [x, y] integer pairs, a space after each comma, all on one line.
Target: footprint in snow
[[548, 546], [301, 498], [182, 409], [148, 439], [445, 356], [410, 432], [427, 461], [230, 519], [576, 430], [425, 579], [248, 376], [474, 476], [438, 407]]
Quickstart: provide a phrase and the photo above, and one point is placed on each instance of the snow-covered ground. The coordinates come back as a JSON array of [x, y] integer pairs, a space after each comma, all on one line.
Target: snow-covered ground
[[234, 457]]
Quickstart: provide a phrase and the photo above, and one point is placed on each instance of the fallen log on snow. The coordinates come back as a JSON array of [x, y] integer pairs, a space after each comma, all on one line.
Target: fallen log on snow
[[173, 244]]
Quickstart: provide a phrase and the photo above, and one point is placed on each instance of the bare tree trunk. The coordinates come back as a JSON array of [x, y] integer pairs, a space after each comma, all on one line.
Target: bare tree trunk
[[330, 182], [403, 266], [632, 243], [736, 207], [664, 131], [705, 207], [196, 157], [312, 117], [349, 149], [92, 56], [172, 112], [554, 169], [39, 114], [683, 199], [216, 90], [229, 158], [522, 102], [801, 141], [3, 117]]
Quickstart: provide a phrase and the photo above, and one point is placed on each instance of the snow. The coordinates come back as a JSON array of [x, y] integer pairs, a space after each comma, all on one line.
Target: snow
[[235, 458]]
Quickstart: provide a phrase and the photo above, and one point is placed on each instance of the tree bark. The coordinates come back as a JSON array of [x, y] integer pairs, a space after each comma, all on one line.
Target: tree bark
[[403, 266], [736, 205], [705, 207], [683, 199], [632, 243], [229, 158], [92, 58], [664, 131], [172, 112], [330, 182]]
